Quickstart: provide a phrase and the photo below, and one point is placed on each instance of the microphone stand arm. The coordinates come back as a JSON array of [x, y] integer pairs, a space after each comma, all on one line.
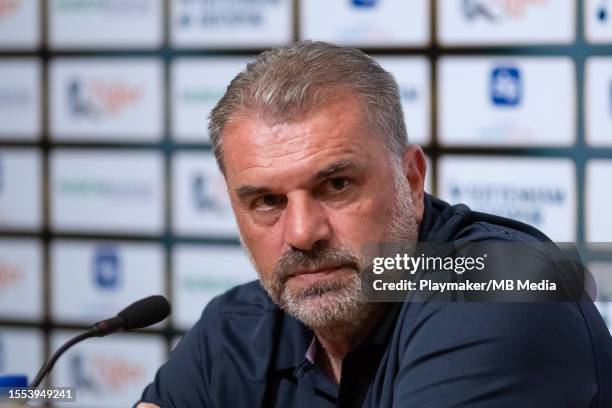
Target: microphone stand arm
[[48, 366]]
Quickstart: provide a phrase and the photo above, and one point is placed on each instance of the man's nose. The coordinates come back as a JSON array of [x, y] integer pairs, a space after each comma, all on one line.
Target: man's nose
[[306, 222]]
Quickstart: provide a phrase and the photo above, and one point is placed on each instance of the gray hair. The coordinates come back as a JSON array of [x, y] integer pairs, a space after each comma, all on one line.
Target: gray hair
[[286, 82]]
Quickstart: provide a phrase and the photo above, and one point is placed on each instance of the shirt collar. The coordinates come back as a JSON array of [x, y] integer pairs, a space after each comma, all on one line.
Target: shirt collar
[[383, 330], [297, 345], [293, 341], [311, 353]]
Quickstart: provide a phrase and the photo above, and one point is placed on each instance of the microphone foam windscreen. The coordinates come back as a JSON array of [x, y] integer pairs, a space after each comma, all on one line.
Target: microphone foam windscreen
[[145, 312]]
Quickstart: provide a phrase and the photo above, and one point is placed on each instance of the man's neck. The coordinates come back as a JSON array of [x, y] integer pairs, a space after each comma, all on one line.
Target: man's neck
[[337, 341]]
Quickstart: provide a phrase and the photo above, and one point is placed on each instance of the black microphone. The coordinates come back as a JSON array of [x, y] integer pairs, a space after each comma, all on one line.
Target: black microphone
[[142, 313]]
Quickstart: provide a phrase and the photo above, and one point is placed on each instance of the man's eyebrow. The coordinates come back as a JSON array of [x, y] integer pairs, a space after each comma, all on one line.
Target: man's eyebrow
[[246, 191], [336, 167]]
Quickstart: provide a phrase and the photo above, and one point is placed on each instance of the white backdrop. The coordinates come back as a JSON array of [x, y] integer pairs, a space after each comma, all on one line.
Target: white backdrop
[[109, 191]]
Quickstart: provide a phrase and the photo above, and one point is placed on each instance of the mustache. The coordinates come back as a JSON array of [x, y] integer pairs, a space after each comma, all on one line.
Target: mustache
[[318, 257]]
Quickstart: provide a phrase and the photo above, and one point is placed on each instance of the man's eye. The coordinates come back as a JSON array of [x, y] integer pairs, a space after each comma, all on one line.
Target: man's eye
[[267, 201], [338, 184]]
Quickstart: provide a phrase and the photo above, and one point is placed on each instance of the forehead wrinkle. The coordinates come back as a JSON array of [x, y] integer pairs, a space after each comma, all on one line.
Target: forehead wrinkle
[[305, 154], [306, 150], [289, 145], [290, 176], [301, 135]]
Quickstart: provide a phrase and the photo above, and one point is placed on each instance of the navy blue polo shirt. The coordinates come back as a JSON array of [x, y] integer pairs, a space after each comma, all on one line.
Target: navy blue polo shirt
[[245, 352]]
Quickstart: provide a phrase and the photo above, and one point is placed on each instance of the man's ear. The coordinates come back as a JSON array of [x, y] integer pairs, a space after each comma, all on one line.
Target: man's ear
[[415, 168]]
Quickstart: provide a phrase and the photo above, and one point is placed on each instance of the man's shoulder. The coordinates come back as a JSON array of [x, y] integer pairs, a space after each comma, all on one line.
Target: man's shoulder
[[236, 319], [512, 322], [248, 299], [443, 222], [515, 351], [226, 346], [489, 230]]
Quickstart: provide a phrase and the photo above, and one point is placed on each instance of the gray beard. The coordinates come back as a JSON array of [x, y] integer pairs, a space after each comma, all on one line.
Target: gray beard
[[339, 303]]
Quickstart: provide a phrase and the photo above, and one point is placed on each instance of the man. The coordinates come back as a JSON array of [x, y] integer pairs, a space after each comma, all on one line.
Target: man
[[312, 143]]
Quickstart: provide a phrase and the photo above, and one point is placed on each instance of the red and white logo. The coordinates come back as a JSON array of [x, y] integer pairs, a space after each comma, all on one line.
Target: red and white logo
[[10, 275], [9, 7]]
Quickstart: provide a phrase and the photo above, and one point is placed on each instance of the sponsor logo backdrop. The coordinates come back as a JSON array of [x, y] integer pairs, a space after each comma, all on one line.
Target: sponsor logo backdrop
[[109, 191]]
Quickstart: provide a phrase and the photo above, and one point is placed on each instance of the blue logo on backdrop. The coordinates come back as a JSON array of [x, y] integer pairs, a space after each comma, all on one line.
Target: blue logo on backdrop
[[473, 9], [78, 374], [364, 3], [202, 196], [506, 86], [602, 11], [76, 101], [106, 267]]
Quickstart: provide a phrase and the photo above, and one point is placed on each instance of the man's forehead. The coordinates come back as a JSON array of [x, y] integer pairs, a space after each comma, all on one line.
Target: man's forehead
[[253, 143]]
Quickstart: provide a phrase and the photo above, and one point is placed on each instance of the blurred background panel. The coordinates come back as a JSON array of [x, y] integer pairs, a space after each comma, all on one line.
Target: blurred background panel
[[109, 191], [107, 372], [21, 279], [482, 23], [538, 191], [597, 16], [21, 188], [22, 351], [201, 273], [197, 84], [200, 201], [20, 98], [514, 101], [366, 23], [21, 24], [91, 280], [413, 75], [106, 99], [597, 201], [597, 104], [230, 24], [104, 24]]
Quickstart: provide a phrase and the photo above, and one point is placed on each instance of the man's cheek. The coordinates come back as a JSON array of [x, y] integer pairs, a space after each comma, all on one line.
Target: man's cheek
[[264, 253], [363, 222]]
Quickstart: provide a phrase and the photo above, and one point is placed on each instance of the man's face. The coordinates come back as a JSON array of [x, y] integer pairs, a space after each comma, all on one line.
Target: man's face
[[307, 195]]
